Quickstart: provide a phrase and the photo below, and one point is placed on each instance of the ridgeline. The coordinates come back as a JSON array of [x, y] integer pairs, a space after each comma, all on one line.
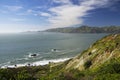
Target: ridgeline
[[86, 29], [101, 61]]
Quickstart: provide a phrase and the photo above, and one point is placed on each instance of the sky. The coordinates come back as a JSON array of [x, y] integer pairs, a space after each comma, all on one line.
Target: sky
[[36, 15]]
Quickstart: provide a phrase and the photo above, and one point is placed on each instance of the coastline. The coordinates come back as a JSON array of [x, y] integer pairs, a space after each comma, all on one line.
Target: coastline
[[37, 63]]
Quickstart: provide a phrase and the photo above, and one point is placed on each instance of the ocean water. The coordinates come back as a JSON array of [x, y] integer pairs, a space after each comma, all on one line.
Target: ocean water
[[16, 49]]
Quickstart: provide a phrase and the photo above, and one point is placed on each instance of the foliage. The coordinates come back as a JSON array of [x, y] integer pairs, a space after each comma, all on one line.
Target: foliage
[[23, 73], [87, 64], [108, 76]]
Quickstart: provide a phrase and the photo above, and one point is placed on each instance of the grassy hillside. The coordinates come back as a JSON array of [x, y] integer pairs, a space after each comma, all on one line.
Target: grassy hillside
[[101, 51], [101, 61]]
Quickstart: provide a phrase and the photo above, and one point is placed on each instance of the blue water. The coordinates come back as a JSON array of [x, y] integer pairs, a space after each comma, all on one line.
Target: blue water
[[16, 48]]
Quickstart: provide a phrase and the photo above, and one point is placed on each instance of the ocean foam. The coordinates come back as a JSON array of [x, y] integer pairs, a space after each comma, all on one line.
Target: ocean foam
[[44, 62], [37, 63]]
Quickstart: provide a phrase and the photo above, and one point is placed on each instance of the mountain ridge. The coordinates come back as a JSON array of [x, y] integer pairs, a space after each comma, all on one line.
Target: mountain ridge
[[86, 29]]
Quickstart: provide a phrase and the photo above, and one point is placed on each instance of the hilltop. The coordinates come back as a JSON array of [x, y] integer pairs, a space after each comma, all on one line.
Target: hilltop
[[101, 61], [86, 29]]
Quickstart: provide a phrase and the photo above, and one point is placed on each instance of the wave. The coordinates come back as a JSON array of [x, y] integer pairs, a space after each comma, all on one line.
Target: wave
[[44, 62], [20, 59], [31, 55], [41, 58], [37, 63]]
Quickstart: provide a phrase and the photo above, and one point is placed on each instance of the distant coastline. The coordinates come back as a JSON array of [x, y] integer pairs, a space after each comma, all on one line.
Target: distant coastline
[[86, 29]]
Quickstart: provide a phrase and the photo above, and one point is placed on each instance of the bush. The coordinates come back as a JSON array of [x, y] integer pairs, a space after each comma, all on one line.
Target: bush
[[87, 64], [108, 77], [110, 68]]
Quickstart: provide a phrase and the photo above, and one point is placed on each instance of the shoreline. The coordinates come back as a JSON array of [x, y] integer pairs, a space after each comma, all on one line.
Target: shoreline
[[37, 63]]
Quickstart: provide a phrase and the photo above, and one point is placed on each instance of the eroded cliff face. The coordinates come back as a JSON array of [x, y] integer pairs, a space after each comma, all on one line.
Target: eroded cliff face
[[100, 52]]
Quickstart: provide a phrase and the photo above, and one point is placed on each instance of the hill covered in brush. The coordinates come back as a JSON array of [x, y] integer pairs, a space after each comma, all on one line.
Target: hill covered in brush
[[87, 29], [101, 61]]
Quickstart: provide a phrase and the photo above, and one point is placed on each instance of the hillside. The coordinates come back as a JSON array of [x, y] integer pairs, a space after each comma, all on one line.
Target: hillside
[[101, 51], [87, 29], [101, 61]]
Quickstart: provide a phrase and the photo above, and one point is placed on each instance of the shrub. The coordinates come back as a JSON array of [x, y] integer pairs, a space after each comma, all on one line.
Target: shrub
[[108, 77], [110, 68], [87, 64]]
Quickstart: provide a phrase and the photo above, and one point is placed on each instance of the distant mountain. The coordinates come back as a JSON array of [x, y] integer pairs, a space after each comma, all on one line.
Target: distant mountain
[[86, 29]]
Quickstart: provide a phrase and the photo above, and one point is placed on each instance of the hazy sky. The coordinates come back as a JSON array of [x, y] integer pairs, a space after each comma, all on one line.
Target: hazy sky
[[32, 15]]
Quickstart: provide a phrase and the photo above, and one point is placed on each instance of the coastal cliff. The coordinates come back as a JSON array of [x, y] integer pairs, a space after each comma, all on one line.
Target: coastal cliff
[[100, 52]]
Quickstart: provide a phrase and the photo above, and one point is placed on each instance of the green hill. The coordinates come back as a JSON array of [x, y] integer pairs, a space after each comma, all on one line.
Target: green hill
[[101, 61], [101, 51]]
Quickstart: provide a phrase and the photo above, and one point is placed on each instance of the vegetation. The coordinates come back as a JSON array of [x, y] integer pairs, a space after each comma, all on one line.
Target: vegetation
[[109, 71], [99, 62], [87, 64], [87, 29], [24, 73]]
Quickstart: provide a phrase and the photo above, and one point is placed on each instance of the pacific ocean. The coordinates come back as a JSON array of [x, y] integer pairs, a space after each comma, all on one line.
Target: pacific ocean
[[18, 48]]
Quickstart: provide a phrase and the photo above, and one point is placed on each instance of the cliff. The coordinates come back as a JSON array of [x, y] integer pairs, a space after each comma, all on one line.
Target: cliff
[[100, 52]]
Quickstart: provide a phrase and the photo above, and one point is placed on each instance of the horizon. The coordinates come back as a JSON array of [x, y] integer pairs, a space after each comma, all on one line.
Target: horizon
[[21, 16], [12, 32]]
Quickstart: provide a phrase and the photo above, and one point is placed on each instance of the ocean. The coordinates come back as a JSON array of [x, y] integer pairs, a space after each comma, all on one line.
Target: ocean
[[40, 48]]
